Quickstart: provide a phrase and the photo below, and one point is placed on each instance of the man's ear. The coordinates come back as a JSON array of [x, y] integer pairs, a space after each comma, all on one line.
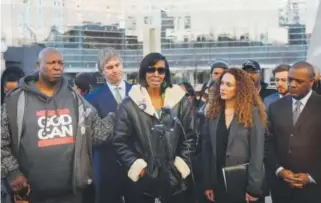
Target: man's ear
[[38, 65]]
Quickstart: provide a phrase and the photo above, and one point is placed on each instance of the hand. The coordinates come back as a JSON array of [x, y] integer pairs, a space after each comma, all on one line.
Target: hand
[[289, 177], [303, 178], [142, 173], [209, 195], [249, 198], [18, 183]]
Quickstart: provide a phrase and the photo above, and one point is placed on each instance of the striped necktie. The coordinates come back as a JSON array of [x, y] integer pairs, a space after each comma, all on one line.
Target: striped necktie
[[118, 95], [297, 111]]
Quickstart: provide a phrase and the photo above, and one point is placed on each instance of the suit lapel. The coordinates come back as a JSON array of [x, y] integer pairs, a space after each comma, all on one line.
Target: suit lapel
[[307, 110], [286, 113], [234, 126], [110, 95]]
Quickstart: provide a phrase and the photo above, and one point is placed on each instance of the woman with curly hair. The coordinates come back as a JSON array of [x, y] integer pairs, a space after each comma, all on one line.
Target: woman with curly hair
[[234, 136]]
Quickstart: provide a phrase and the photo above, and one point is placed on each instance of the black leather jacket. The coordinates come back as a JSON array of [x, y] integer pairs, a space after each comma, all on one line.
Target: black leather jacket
[[164, 155]]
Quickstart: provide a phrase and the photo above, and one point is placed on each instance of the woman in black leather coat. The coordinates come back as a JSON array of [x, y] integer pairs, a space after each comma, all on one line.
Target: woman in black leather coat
[[150, 143]]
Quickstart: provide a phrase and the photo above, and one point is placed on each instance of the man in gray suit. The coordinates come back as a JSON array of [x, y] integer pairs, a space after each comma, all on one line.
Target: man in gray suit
[[281, 82]]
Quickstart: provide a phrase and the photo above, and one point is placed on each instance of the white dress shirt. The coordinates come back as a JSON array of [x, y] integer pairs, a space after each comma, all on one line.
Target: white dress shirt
[[122, 89], [303, 101]]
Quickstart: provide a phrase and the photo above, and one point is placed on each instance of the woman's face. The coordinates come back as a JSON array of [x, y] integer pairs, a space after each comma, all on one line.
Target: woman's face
[[155, 75], [228, 87]]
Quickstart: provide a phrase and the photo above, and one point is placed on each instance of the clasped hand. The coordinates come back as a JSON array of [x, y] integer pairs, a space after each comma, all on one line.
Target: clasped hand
[[296, 180]]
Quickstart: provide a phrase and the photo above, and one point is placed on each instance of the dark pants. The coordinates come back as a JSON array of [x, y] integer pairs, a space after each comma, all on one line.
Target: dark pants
[[58, 199], [310, 194], [109, 176], [89, 194], [179, 198]]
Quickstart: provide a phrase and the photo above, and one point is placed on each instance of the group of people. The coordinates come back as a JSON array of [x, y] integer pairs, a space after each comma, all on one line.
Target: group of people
[[145, 143]]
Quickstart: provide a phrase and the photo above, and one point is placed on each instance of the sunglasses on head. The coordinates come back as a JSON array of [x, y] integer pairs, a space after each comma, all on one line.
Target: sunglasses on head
[[160, 70]]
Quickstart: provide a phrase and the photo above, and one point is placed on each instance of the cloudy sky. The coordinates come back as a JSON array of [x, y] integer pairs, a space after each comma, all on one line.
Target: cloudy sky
[[207, 16]]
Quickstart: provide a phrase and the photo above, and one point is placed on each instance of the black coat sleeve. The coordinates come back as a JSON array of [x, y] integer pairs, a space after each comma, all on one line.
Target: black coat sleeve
[[121, 138], [187, 144], [207, 158], [271, 159]]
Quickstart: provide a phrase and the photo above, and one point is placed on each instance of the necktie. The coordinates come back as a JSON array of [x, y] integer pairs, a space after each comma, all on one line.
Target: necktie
[[297, 111], [118, 95]]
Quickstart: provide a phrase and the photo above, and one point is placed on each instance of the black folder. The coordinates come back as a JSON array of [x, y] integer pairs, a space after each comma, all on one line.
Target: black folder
[[235, 179]]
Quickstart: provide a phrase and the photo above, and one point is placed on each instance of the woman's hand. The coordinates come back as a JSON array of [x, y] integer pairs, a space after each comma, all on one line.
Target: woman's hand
[[209, 195], [249, 198], [142, 173]]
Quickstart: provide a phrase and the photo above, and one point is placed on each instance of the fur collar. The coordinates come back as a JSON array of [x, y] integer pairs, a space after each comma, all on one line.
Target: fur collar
[[141, 98]]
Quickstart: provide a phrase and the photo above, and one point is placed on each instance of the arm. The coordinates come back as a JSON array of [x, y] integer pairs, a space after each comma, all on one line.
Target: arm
[[271, 158], [100, 130], [256, 167], [9, 164], [187, 145], [207, 159], [121, 139]]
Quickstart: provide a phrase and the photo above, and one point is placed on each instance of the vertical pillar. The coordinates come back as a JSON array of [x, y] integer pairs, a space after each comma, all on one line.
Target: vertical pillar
[[152, 40]]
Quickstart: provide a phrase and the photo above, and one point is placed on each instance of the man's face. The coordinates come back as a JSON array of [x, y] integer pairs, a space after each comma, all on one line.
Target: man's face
[[281, 82], [113, 71], [254, 74], [300, 82], [217, 72], [51, 67]]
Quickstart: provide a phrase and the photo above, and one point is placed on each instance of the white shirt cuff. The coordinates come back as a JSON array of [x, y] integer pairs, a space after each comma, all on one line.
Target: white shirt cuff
[[311, 179], [278, 171]]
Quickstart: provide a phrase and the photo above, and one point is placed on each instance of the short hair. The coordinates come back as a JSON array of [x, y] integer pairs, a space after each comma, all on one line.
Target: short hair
[[150, 60], [304, 65], [281, 68], [105, 55], [12, 74], [82, 81], [189, 88]]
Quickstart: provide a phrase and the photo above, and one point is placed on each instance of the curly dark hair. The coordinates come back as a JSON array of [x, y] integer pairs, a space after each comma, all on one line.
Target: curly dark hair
[[247, 97]]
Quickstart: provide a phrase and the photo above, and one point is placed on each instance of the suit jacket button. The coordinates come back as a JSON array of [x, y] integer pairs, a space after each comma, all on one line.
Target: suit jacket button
[[290, 151], [291, 135]]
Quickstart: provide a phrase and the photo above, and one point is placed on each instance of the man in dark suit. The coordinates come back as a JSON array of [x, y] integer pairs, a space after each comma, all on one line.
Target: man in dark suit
[[294, 142], [281, 82], [109, 177]]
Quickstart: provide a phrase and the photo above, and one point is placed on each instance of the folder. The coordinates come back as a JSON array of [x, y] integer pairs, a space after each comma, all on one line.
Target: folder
[[235, 180]]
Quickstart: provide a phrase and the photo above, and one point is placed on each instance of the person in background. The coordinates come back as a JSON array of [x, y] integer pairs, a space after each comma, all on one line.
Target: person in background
[[217, 68], [9, 80], [281, 82], [293, 143], [317, 81], [47, 133], [82, 84], [110, 180], [233, 135], [156, 158], [253, 68], [190, 92]]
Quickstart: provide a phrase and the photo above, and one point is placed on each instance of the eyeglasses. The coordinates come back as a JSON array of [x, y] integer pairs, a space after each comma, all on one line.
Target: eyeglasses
[[160, 70]]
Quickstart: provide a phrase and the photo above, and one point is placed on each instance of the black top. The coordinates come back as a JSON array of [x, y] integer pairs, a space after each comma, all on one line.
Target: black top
[[221, 141]]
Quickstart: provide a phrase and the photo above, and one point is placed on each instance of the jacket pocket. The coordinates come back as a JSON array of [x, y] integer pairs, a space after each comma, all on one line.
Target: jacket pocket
[[175, 178]]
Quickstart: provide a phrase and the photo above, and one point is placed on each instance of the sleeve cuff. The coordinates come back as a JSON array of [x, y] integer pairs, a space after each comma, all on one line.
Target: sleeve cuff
[[135, 169], [277, 172], [182, 167], [311, 179]]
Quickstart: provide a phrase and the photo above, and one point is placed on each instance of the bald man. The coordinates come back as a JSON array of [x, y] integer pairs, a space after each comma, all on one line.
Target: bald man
[[317, 83], [47, 130], [294, 143]]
